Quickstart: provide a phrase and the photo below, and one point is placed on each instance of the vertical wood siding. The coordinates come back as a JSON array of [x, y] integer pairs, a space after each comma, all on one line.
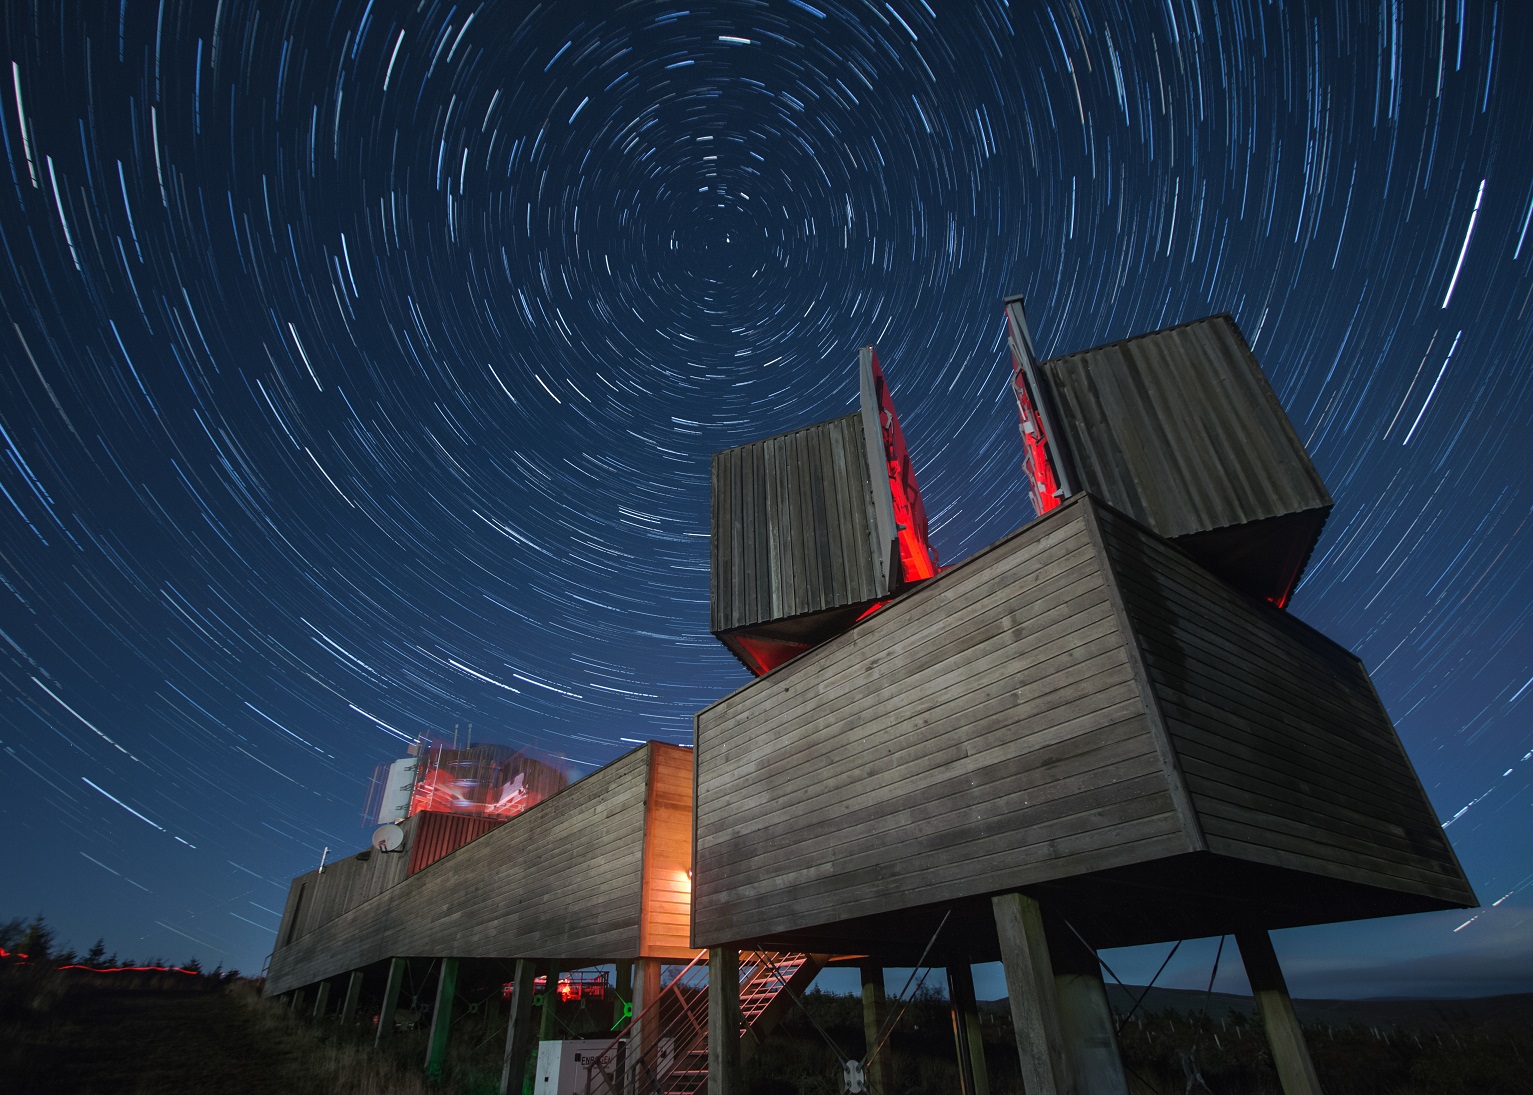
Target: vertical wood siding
[[981, 733], [562, 880], [666, 918], [1180, 430], [439, 834], [792, 527], [1288, 754]]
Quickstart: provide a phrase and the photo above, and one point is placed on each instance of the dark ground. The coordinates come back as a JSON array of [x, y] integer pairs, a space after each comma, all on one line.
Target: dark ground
[[121, 1041], [71, 1037]]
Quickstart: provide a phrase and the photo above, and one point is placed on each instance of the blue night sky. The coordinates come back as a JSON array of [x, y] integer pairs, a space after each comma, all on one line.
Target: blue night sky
[[361, 364]]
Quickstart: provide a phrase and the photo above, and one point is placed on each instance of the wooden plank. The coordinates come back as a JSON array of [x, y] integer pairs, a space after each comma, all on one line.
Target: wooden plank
[[992, 686], [1000, 711], [991, 801], [1259, 836], [1282, 739], [1030, 986], [1284, 1034], [840, 526], [580, 850], [1133, 647], [903, 627], [959, 752], [819, 892]]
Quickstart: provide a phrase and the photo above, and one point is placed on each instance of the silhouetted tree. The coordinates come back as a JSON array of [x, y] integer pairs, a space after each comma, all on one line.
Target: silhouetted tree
[[37, 941], [96, 956]]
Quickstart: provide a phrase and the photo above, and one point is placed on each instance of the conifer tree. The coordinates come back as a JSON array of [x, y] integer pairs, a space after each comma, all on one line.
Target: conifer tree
[[37, 942]]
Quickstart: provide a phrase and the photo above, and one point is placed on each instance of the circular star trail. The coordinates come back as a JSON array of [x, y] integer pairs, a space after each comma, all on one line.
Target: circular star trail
[[363, 362]]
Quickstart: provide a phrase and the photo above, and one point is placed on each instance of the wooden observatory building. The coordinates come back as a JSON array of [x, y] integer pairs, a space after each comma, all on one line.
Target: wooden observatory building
[[814, 529], [1102, 730]]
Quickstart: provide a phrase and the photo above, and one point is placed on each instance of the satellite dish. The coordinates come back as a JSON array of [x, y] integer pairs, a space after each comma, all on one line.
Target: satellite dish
[[388, 838]]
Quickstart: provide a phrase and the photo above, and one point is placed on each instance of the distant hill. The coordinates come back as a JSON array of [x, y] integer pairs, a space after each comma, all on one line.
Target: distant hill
[[1488, 1013]]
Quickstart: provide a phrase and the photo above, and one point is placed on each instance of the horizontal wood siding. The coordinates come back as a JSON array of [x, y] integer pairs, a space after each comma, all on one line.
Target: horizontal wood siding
[[1289, 757], [561, 880], [1180, 430], [983, 732], [344, 884], [666, 920], [791, 527]]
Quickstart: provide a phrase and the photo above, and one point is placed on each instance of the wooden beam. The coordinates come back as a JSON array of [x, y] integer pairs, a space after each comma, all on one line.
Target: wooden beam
[[968, 1040], [1296, 1071], [519, 1033], [724, 1022], [322, 999], [1030, 986], [353, 995], [390, 1000], [548, 1012], [441, 1018], [642, 1042], [880, 1077], [391, 988], [1086, 1019]]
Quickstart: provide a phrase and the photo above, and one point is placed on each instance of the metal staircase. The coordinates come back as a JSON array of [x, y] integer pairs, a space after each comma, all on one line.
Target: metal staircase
[[664, 1051]]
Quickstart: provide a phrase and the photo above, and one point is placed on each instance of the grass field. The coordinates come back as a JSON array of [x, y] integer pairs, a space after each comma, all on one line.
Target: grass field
[[147, 1034]]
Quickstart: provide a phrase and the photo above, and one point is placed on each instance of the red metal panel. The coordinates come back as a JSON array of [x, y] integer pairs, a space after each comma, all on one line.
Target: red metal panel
[[437, 834]]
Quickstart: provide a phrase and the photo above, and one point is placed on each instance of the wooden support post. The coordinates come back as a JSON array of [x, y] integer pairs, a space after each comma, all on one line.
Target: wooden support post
[[353, 996], [441, 1018], [622, 984], [879, 1074], [322, 1000], [643, 1037], [1030, 986], [295, 1002], [967, 1037], [724, 1022], [1296, 1071], [513, 1067], [1086, 1020], [548, 1014], [391, 989]]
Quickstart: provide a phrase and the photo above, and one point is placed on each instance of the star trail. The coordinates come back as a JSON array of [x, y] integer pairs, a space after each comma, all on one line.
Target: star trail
[[363, 361]]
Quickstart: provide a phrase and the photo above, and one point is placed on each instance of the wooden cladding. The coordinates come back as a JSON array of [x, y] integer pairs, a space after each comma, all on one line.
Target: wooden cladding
[[1288, 755], [1180, 430], [1075, 702], [566, 879], [666, 914], [980, 733], [793, 527]]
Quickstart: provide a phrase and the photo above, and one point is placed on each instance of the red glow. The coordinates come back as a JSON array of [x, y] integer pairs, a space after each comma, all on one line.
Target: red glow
[[917, 559], [1035, 462], [872, 608], [482, 780], [762, 655], [134, 969], [570, 986]]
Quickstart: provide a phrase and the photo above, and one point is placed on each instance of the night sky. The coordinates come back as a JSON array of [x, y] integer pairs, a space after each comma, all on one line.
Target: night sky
[[362, 363]]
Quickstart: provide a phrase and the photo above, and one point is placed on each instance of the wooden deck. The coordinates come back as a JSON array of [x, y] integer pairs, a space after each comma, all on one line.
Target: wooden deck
[[593, 873]]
